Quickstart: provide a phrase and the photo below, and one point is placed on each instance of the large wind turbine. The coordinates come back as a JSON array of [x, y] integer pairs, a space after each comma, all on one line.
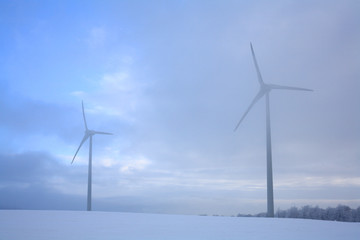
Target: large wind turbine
[[88, 134], [265, 91]]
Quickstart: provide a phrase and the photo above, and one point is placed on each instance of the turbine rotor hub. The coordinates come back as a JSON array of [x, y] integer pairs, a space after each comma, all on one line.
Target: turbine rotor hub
[[90, 132]]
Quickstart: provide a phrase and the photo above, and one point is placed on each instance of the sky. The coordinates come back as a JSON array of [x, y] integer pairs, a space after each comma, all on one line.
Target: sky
[[170, 80]]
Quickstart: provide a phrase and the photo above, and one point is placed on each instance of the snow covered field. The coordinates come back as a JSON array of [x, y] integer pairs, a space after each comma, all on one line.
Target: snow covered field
[[50, 225]]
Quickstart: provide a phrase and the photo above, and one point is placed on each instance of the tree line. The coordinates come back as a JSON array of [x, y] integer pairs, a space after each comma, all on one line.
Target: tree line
[[341, 213]]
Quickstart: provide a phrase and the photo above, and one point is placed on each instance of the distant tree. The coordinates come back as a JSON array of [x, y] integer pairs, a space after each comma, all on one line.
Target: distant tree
[[261, 215], [330, 214], [340, 213], [280, 213], [344, 213], [293, 212], [357, 214], [305, 212], [316, 213]]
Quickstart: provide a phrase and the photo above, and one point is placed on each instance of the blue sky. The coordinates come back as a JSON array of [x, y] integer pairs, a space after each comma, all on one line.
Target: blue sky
[[171, 79]]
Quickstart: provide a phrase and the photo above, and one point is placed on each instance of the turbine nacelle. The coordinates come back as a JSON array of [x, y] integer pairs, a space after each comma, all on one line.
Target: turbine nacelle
[[92, 132]]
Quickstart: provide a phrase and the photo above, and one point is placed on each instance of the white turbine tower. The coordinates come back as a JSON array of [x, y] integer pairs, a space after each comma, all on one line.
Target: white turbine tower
[[88, 134], [265, 90]]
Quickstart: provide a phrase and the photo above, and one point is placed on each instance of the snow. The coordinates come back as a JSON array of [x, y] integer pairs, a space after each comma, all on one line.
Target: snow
[[21, 224]]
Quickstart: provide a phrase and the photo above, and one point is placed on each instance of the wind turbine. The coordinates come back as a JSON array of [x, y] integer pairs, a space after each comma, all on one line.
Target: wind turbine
[[265, 91], [88, 134]]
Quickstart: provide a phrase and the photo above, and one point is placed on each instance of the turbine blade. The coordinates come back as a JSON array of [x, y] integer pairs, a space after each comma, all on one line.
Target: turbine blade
[[105, 133], [256, 66], [256, 98], [82, 103], [274, 86], [82, 142]]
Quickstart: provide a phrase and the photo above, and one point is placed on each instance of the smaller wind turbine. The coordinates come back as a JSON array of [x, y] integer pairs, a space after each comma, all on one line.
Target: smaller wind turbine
[[88, 134]]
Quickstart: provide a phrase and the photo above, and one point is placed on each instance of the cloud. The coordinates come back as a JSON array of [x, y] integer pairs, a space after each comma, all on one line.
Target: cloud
[[39, 198], [123, 93], [25, 116], [97, 37], [29, 167], [29, 180], [136, 164], [118, 93]]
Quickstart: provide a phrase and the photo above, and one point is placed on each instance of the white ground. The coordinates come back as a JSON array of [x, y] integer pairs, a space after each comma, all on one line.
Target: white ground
[[50, 225]]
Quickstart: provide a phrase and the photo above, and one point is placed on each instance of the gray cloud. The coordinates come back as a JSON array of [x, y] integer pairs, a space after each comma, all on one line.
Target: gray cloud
[[25, 182]]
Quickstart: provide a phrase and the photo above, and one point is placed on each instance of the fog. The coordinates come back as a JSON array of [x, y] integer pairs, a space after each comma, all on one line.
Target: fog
[[171, 80]]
